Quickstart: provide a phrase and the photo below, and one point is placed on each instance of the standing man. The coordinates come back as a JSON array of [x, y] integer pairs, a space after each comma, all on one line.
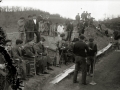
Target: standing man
[[83, 16], [86, 15], [77, 18], [116, 35], [36, 28], [21, 28], [81, 27], [69, 31], [55, 29], [80, 48], [49, 24], [60, 29], [29, 29], [91, 56]]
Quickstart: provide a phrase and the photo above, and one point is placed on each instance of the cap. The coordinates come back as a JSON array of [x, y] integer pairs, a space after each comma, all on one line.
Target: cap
[[82, 37], [91, 39]]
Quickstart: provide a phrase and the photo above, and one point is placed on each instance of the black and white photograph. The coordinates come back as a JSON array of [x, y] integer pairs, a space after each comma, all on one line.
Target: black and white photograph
[[59, 44]]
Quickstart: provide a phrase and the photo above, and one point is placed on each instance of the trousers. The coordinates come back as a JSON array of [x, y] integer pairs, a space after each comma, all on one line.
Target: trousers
[[80, 62], [90, 62], [37, 36], [69, 36], [21, 35]]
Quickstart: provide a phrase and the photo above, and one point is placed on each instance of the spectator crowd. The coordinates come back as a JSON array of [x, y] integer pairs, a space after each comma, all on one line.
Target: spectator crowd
[[32, 57]]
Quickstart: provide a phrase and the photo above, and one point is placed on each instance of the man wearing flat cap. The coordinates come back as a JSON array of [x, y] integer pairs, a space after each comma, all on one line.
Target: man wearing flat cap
[[91, 56], [80, 50]]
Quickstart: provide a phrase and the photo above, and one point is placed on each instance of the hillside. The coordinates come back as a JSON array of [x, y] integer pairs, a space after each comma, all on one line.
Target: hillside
[[112, 23], [100, 39], [42, 81], [10, 15]]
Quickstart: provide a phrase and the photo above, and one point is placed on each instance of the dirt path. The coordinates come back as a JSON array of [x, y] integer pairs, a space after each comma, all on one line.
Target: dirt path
[[107, 76]]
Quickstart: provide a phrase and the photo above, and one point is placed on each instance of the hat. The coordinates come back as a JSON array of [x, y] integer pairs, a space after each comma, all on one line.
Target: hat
[[62, 35], [42, 39], [82, 37], [75, 39], [91, 39]]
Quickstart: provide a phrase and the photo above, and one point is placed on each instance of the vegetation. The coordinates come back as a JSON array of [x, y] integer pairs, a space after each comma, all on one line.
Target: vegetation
[[112, 23], [10, 15]]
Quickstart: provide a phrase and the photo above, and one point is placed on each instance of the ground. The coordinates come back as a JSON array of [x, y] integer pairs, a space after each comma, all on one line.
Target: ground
[[42, 82], [107, 77]]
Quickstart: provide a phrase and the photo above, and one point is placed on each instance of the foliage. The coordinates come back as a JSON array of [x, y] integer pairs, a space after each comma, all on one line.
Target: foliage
[[10, 15], [113, 23]]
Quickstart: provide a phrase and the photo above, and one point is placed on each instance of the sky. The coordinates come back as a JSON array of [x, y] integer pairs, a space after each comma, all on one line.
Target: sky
[[99, 9]]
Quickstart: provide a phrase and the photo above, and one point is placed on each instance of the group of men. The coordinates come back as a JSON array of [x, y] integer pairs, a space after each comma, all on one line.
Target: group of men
[[30, 52], [33, 25], [80, 49], [84, 16], [86, 19], [84, 54]]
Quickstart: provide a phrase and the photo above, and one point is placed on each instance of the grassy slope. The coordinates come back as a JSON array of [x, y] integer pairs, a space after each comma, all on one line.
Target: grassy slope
[[36, 82]]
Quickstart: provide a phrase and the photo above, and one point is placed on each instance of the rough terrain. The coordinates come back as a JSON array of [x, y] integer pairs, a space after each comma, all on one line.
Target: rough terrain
[[107, 76], [39, 82]]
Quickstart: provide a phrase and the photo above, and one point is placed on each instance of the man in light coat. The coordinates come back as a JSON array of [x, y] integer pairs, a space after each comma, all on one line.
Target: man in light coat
[[21, 28]]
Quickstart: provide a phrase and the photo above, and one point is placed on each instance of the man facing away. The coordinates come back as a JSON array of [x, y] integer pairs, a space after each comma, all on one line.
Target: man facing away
[[80, 49], [77, 18], [83, 16]]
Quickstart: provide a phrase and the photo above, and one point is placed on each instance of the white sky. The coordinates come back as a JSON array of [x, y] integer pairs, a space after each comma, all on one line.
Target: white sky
[[69, 8]]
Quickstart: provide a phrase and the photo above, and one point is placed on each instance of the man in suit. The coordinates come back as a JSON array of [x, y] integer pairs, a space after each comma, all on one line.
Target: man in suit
[[79, 50], [17, 54], [36, 28], [29, 29]]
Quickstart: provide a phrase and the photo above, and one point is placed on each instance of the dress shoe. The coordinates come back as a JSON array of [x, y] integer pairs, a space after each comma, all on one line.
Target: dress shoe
[[39, 74], [75, 82], [91, 75], [84, 83], [29, 75], [57, 65], [50, 69], [45, 73]]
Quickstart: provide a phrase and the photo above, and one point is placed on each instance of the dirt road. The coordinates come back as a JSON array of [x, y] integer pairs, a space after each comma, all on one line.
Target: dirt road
[[107, 76]]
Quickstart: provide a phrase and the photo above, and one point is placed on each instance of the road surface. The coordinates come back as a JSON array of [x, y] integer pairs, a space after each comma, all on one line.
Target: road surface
[[107, 76]]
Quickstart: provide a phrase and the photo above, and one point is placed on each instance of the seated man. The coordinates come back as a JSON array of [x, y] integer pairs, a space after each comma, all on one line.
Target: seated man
[[30, 52], [45, 59], [17, 54]]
